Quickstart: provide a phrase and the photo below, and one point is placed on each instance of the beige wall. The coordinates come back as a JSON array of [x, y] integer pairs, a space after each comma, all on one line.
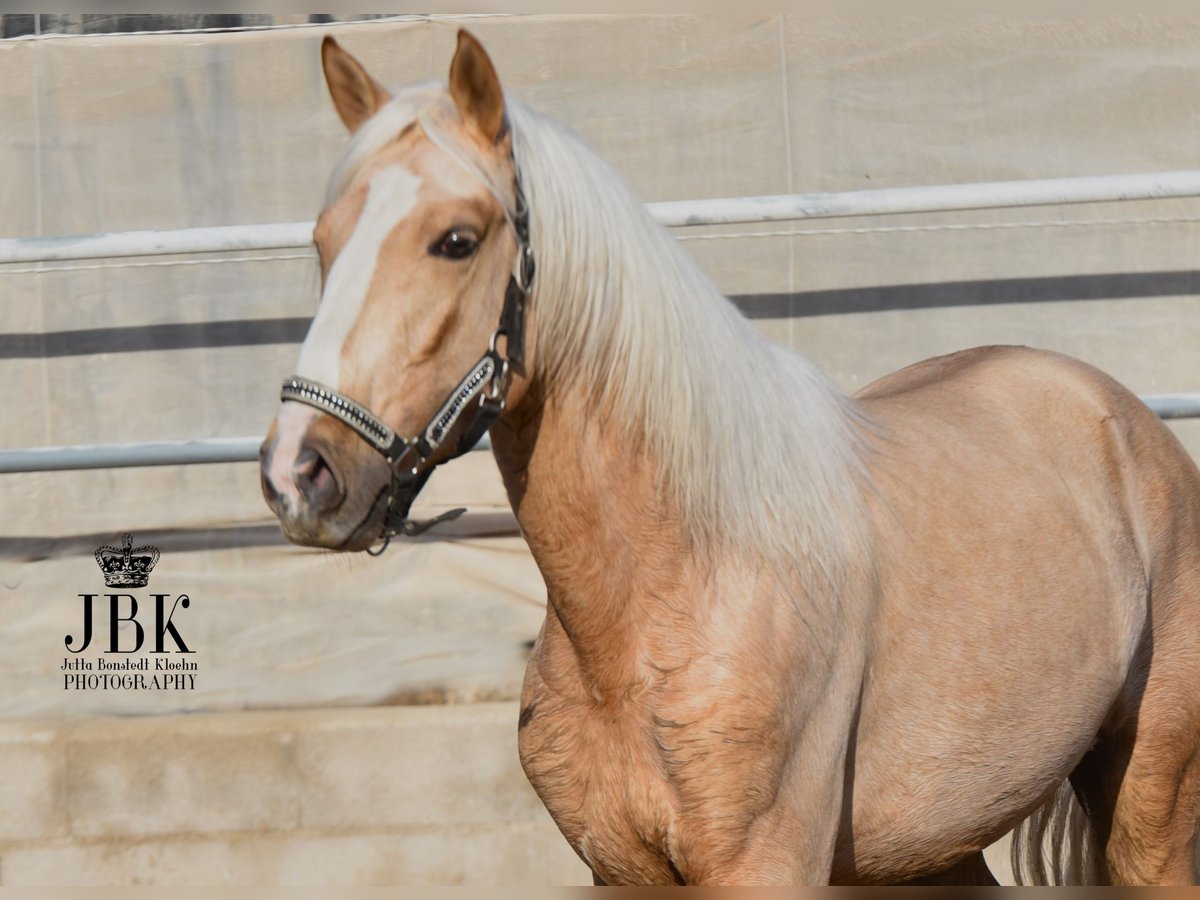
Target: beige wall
[[115, 133]]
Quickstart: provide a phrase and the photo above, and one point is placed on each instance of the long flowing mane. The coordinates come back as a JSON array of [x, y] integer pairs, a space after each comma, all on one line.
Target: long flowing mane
[[761, 452]]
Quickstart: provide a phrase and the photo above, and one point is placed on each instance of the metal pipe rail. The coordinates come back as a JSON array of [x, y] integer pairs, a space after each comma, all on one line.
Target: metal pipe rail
[[674, 213], [790, 207], [226, 450], [1174, 406], [151, 453]]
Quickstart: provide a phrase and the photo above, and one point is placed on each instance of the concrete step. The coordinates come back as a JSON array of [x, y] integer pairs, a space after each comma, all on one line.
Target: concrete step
[[390, 795]]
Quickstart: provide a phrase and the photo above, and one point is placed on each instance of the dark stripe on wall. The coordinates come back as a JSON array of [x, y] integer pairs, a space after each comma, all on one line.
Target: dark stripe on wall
[[802, 304], [36, 548], [135, 338], [988, 292]]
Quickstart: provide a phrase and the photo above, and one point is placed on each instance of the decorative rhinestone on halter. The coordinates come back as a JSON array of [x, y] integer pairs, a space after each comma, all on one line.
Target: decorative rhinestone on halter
[[341, 407]]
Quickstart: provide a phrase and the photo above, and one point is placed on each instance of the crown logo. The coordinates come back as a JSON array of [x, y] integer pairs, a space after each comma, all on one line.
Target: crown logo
[[127, 567]]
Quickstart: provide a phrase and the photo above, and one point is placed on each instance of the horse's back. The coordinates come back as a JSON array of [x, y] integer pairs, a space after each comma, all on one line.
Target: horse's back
[[1064, 416], [1024, 505], [1006, 379]]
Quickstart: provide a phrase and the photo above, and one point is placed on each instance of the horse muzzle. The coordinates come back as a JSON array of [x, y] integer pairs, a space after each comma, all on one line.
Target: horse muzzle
[[326, 489]]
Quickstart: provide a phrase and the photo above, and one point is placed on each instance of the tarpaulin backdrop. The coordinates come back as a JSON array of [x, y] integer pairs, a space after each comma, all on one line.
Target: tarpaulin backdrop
[[113, 133]]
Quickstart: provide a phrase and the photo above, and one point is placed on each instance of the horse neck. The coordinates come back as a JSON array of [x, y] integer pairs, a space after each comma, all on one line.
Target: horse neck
[[611, 550]]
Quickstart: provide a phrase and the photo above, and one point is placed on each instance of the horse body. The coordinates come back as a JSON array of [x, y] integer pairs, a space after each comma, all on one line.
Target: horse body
[[790, 637], [1009, 661], [1014, 590]]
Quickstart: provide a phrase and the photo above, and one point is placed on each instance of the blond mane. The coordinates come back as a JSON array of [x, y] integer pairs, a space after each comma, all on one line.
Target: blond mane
[[759, 449]]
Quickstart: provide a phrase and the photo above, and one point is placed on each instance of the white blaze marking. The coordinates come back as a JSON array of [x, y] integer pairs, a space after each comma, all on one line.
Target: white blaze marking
[[390, 197], [291, 426]]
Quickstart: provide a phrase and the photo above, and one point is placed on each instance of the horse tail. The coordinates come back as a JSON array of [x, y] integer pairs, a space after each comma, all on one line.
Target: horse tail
[[1057, 845]]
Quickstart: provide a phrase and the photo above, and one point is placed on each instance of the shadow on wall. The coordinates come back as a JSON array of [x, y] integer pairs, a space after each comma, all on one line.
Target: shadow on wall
[[801, 304], [986, 292]]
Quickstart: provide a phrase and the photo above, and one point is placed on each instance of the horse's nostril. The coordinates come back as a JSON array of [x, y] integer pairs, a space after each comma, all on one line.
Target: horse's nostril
[[315, 478], [307, 460]]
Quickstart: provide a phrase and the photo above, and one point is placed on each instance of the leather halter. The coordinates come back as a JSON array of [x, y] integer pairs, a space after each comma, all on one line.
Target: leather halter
[[476, 402]]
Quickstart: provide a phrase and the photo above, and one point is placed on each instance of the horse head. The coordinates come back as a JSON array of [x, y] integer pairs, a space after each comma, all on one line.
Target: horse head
[[417, 342]]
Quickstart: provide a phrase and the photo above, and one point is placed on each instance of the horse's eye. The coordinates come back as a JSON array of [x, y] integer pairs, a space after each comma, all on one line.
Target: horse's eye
[[457, 243]]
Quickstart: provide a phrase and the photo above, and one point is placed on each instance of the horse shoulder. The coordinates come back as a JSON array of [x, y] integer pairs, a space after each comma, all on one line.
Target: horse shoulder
[[668, 778]]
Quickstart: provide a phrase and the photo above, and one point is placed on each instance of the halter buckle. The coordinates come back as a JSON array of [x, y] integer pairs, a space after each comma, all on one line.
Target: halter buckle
[[524, 267]]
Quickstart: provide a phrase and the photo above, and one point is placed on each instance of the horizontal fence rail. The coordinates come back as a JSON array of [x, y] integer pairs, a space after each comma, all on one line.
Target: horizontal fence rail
[[116, 456], [151, 453], [1174, 406], [720, 211], [676, 213], [226, 450], [938, 198], [218, 239]]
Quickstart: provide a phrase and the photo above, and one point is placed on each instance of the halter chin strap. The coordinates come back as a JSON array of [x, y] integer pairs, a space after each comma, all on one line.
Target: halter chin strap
[[476, 402]]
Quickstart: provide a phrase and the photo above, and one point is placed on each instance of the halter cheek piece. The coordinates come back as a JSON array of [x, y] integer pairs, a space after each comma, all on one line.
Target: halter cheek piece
[[476, 403]]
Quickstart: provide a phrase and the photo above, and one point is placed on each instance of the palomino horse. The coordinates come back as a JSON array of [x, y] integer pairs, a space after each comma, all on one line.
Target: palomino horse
[[791, 636]]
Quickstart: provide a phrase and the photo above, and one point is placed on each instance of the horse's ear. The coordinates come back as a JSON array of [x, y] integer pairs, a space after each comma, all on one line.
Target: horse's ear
[[356, 95], [476, 89]]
